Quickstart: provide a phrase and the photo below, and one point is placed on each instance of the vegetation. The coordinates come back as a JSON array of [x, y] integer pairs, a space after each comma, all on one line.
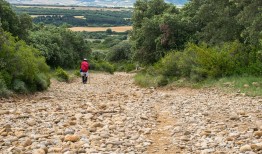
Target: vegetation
[[60, 47], [23, 69], [205, 40], [61, 75], [18, 25], [59, 17]]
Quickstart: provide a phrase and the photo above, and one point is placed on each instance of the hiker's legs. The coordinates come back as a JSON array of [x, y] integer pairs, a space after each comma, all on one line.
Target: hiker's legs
[[85, 78]]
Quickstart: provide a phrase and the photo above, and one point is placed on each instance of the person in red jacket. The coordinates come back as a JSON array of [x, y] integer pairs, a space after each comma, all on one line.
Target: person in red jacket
[[84, 70]]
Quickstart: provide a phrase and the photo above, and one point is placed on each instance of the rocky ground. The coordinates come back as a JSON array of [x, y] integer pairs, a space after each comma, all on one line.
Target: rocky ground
[[112, 115]]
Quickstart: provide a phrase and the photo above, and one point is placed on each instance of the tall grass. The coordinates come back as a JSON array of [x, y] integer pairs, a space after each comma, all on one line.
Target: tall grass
[[248, 85]]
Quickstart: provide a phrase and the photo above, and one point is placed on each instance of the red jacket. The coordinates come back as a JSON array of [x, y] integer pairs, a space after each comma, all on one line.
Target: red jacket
[[84, 66]]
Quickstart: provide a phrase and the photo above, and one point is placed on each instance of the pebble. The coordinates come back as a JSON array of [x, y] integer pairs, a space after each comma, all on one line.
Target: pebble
[[112, 115], [72, 138], [245, 148]]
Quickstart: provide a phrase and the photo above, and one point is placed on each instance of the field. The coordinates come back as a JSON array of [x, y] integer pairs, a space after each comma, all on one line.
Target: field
[[97, 29], [75, 7]]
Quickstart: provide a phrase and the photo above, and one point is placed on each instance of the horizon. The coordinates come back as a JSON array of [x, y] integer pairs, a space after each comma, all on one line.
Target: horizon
[[77, 3]]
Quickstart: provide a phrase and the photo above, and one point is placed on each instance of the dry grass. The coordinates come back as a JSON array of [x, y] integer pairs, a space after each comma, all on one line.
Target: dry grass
[[34, 16], [97, 29], [80, 17]]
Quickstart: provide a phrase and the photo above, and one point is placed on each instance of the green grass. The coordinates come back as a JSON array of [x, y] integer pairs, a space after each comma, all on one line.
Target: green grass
[[248, 85], [146, 80]]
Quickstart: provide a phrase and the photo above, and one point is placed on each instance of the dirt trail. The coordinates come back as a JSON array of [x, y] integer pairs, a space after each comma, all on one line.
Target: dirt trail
[[113, 115], [162, 137]]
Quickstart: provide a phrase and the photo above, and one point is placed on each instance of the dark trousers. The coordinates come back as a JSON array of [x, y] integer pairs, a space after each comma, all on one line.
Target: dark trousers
[[84, 79]]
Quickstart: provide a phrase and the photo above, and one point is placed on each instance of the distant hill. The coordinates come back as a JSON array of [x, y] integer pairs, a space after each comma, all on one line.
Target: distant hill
[[105, 3]]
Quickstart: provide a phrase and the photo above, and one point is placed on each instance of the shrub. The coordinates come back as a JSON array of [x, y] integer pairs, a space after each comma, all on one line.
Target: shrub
[[125, 66], [120, 52], [62, 75], [199, 62], [168, 66], [42, 81], [77, 73], [3, 89], [20, 65], [148, 80], [102, 66], [19, 86], [129, 67], [107, 67], [7, 78], [97, 41]]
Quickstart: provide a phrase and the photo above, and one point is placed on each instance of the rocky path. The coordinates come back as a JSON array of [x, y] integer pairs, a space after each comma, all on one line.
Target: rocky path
[[112, 115]]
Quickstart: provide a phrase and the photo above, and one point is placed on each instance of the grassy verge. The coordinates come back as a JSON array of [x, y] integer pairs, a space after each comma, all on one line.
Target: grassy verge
[[247, 85]]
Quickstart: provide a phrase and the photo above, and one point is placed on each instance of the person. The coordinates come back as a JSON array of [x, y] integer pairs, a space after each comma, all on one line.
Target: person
[[84, 70]]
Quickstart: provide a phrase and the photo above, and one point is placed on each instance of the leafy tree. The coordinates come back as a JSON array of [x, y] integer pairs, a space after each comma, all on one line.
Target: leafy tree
[[157, 28], [120, 52], [22, 67], [60, 46], [250, 17], [17, 25], [215, 21]]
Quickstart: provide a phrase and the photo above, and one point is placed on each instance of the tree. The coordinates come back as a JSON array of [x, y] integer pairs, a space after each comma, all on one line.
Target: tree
[[156, 30], [250, 17], [215, 21], [17, 25], [120, 52], [60, 46], [109, 31]]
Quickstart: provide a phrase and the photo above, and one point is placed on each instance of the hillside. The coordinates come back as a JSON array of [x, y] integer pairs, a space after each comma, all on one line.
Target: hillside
[[112, 115], [107, 3]]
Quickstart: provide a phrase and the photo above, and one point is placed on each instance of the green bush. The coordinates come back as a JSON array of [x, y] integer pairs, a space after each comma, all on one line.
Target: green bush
[[107, 67], [19, 86], [125, 66], [42, 81], [20, 65], [168, 66], [3, 89], [201, 62], [148, 80], [120, 52], [102, 66], [77, 73], [4, 75], [97, 41], [62, 75]]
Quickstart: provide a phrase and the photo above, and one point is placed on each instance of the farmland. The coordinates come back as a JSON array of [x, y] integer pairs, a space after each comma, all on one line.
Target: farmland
[[77, 16], [75, 7], [97, 29]]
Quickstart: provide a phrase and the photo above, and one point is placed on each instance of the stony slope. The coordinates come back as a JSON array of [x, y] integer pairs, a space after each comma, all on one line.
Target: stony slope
[[112, 115]]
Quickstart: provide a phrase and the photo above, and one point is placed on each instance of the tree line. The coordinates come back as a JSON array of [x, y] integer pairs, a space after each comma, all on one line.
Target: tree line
[[203, 39], [59, 17], [28, 51]]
